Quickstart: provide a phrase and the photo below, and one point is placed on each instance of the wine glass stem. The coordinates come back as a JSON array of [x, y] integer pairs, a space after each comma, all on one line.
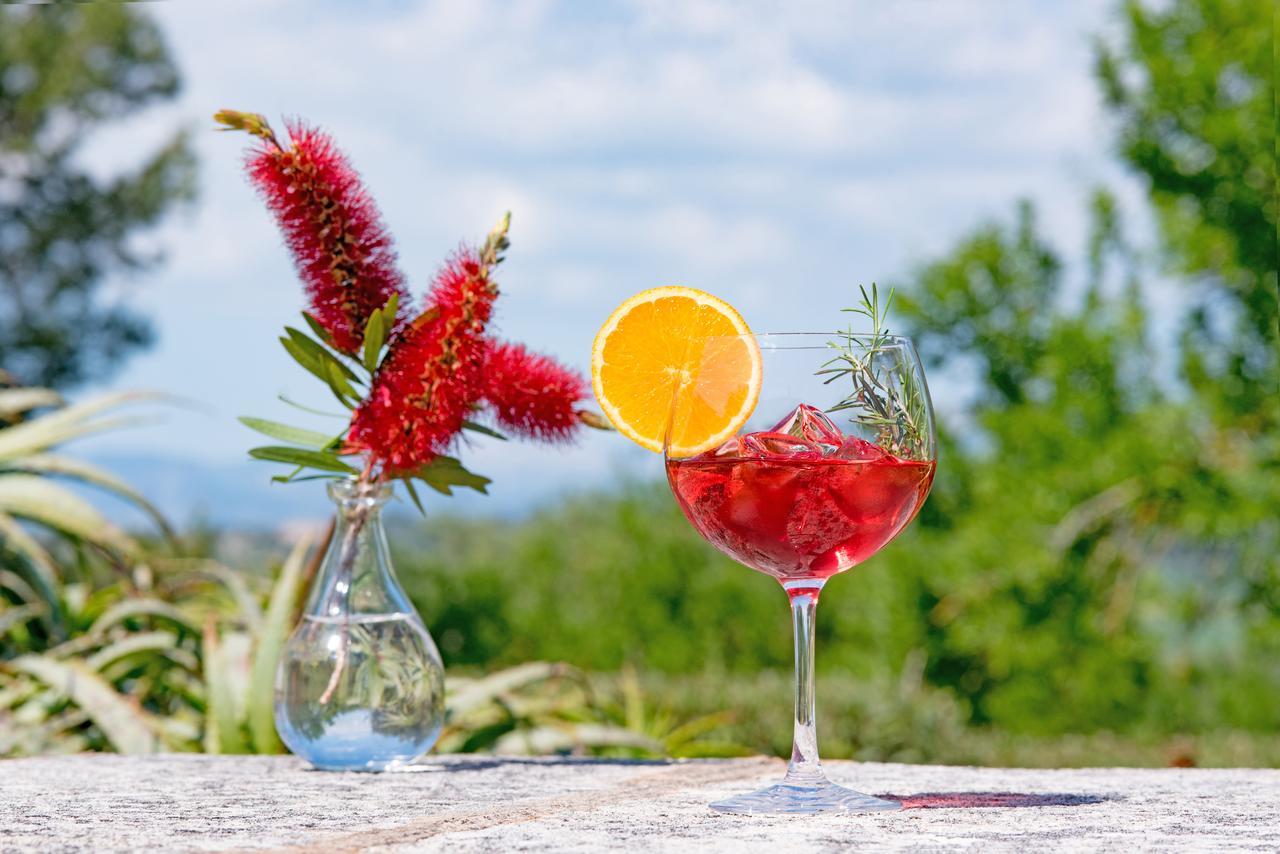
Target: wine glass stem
[[804, 769]]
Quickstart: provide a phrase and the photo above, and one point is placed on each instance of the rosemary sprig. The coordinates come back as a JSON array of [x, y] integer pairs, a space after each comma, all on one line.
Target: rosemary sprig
[[886, 395]]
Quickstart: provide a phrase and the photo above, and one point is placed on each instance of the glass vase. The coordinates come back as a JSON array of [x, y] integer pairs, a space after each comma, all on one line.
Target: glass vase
[[360, 685]]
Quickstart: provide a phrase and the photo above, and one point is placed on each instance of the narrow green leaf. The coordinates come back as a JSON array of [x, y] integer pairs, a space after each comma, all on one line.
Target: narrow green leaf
[[340, 385], [247, 609], [413, 495], [12, 617], [320, 331], [565, 738], [304, 358], [132, 609], [322, 365], [490, 688], [337, 395], [222, 732], [286, 433], [319, 351], [374, 335], [16, 401], [14, 582], [128, 728], [687, 732], [36, 590], [136, 643], [276, 627], [477, 427], [16, 539], [389, 312], [86, 410], [37, 435], [40, 500], [82, 471], [282, 478], [312, 410], [286, 478], [323, 460], [443, 473]]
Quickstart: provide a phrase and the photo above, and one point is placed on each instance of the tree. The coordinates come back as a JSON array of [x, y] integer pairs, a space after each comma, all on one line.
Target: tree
[[64, 71], [1101, 550], [1192, 84]]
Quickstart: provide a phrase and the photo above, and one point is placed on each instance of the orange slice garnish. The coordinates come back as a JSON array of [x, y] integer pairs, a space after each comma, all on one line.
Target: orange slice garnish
[[670, 346]]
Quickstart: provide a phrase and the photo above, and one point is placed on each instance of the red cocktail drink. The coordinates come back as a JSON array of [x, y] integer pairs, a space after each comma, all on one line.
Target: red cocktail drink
[[804, 502], [809, 497]]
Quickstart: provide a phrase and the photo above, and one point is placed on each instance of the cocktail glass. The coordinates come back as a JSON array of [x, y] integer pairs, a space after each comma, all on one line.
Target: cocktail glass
[[835, 460]]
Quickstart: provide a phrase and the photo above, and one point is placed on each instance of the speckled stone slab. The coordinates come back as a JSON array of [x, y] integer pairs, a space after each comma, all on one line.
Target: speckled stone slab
[[474, 803]]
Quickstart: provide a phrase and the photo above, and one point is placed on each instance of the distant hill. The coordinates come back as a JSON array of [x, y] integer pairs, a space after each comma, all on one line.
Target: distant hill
[[241, 495]]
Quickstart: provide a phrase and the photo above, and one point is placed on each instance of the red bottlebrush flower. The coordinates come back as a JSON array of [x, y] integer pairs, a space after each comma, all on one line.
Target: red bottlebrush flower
[[530, 394], [342, 250], [430, 378]]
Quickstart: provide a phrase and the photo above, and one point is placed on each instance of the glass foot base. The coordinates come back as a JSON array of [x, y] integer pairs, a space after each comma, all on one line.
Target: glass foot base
[[791, 799]]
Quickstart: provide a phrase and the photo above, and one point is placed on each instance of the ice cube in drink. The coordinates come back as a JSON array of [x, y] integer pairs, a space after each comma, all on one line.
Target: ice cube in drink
[[802, 500]]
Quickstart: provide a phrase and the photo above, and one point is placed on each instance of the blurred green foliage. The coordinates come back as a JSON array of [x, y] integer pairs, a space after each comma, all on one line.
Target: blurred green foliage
[[1193, 87], [1101, 552], [110, 641], [67, 69], [1095, 579]]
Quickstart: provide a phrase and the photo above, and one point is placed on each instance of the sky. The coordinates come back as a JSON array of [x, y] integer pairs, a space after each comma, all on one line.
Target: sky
[[775, 154]]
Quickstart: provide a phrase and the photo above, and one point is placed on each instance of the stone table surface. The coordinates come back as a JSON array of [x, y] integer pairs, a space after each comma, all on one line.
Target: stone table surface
[[477, 803]]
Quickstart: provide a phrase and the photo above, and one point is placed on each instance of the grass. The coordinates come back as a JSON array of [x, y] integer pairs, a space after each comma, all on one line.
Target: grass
[[906, 722]]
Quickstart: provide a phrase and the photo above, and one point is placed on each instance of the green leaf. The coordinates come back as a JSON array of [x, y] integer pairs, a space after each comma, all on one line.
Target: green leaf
[[389, 312], [564, 738], [39, 434], [15, 538], [129, 729], [286, 433], [131, 609], [287, 478], [491, 688], [16, 401], [341, 386], [322, 364], [247, 609], [310, 409], [413, 495], [68, 423], [375, 332], [276, 628], [323, 460], [320, 331], [443, 473], [304, 358], [319, 351], [82, 471], [40, 500], [293, 478], [12, 617], [222, 731], [689, 731], [139, 642], [476, 427]]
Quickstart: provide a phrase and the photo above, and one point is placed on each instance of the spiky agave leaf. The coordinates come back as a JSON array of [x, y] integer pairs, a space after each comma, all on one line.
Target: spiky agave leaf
[[125, 726], [276, 626], [40, 500], [19, 401], [72, 422], [58, 464]]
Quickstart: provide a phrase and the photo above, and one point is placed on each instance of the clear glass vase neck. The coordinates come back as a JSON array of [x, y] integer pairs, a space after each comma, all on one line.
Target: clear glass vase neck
[[356, 576]]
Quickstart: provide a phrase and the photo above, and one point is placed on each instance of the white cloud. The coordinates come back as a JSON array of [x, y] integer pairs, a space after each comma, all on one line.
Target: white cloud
[[772, 152]]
